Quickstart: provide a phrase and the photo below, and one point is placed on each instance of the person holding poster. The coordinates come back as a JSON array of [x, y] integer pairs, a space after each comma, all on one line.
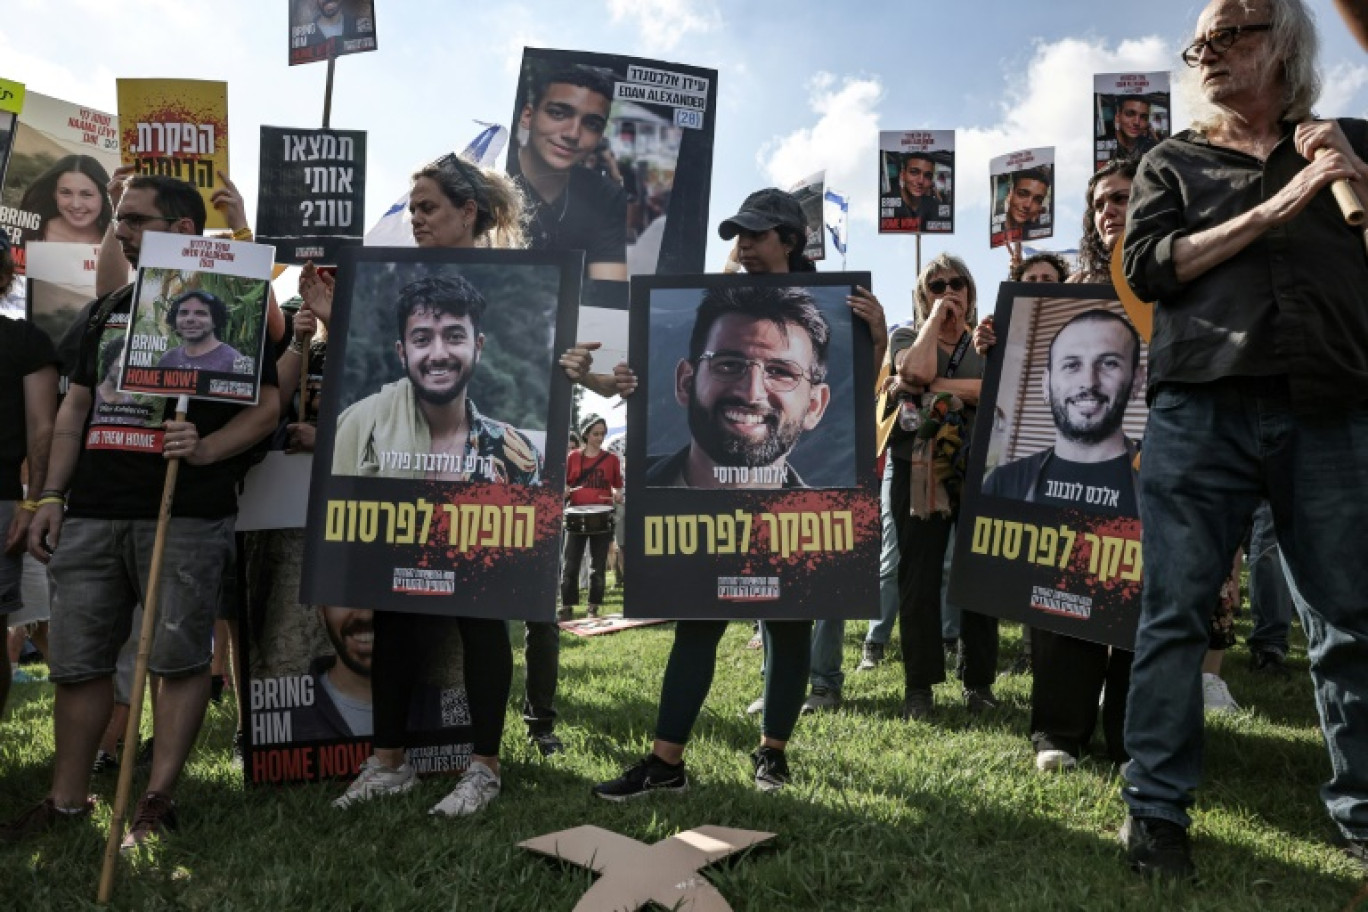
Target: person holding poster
[[771, 233], [94, 528], [71, 201], [1234, 234]]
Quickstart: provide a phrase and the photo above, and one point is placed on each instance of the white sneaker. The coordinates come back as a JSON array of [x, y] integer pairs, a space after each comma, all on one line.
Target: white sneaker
[[376, 779], [1048, 761], [1216, 696], [476, 789], [756, 707]]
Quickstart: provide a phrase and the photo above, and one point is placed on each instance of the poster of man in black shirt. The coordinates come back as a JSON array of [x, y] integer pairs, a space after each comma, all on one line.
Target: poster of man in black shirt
[[1050, 528]]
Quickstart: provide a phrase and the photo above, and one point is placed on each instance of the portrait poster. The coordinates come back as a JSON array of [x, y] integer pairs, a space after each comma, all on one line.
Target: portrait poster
[[56, 182], [811, 195], [916, 181], [198, 327], [177, 128], [8, 120], [1132, 114], [311, 196], [1049, 530], [439, 468], [308, 706], [750, 455], [1022, 191], [60, 283], [322, 29], [632, 191]]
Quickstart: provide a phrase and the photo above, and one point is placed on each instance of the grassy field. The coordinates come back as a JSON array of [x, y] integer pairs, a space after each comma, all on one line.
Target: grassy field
[[949, 814]]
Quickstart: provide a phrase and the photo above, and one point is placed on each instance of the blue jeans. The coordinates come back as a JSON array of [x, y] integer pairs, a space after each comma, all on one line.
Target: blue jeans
[[826, 655], [881, 630], [1269, 597], [1212, 453]]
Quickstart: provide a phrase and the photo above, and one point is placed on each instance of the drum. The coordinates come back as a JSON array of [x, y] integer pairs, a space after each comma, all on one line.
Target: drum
[[591, 520]]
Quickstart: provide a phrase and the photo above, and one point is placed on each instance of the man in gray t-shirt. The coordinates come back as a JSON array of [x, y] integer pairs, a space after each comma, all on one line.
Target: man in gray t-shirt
[[197, 317]]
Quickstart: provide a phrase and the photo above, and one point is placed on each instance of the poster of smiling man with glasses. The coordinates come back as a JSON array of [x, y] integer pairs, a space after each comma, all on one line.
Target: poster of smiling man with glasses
[[753, 437]]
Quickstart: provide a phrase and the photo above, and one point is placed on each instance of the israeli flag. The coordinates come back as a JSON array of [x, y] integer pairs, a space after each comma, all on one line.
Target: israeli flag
[[395, 228], [837, 215]]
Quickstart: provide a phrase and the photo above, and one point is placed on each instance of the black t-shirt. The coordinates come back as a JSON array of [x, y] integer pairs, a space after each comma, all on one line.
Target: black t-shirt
[[591, 215], [1097, 487], [121, 470], [24, 349]]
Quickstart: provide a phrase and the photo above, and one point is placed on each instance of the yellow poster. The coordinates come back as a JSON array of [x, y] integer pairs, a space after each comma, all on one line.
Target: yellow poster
[[11, 96], [179, 128]]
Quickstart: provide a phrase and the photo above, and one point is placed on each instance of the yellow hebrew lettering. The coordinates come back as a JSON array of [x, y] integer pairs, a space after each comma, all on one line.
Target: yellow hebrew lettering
[[1011, 540], [1068, 535], [370, 520], [654, 532], [336, 528], [983, 530], [492, 525], [525, 524], [1049, 541], [688, 535], [1094, 551], [844, 537]]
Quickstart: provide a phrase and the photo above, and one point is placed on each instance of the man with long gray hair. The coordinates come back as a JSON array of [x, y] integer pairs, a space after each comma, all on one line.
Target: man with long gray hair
[[1258, 388]]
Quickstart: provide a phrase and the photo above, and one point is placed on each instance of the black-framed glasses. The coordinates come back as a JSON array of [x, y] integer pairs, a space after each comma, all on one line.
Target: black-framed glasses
[[779, 374], [938, 286], [137, 220], [1219, 40]]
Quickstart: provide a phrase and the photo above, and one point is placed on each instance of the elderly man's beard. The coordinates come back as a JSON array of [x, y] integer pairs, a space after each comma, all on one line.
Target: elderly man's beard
[[1101, 428], [727, 449], [355, 626]]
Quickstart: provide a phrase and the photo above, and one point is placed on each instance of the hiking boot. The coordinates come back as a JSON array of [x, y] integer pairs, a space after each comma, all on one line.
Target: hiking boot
[[650, 774], [919, 704], [822, 698], [1216, 696], [1156, 847], [1050, 760], [979, 700], [42, 817], [1269, 662], [870, 656], [105, 762], [771, 768], [476, 789], [376, 779], [155, 817], [547, 743]]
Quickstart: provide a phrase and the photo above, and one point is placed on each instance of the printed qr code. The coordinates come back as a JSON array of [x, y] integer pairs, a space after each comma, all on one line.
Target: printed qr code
[[455, 707]]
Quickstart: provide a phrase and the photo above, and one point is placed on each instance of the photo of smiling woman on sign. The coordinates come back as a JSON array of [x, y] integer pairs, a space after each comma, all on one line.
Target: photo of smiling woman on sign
[[71, 201]]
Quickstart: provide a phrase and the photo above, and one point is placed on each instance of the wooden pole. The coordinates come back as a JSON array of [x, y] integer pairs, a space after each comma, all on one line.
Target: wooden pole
[[918, 253], [149, 625], [327, 94]]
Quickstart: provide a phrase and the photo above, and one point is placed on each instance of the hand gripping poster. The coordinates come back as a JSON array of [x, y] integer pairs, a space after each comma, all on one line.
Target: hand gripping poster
[[322, 29], [751, 452], [1021, 186], [56, 183], [614, 155], [311, 196], [177, 128], [438, 475], [917, 182], [1131, 114], [199, 319], [1049, 530]]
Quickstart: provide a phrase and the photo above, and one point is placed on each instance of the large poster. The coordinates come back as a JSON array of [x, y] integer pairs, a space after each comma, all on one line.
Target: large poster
[[1131, 114], [615, 156], [438, 480], [1021, 185], [810, 192], [320, 29], [311, 200], [1049, 530], [917, 182], [199, 318], [751, 456], [61, 282], [56, 183], [179, 128]]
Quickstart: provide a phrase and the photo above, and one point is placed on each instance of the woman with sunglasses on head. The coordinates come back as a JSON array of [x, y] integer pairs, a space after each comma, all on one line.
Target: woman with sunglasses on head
[[770, 232], [939, 360]]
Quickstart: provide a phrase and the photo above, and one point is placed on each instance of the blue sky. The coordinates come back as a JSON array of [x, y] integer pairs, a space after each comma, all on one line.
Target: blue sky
[[803, 85]]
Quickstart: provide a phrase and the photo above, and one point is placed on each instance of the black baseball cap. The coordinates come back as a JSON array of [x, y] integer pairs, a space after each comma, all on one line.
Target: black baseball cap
[[763, 210]]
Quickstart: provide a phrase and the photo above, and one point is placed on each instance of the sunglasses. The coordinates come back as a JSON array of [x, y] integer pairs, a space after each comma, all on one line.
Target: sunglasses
[[938, 286]]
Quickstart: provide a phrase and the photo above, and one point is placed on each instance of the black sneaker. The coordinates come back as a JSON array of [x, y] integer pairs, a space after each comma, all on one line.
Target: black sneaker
[[649, 775], [105, 762], [1268, 662], [1158, 847], [771, 769], [919, 704], [979, 700], [547, 743]]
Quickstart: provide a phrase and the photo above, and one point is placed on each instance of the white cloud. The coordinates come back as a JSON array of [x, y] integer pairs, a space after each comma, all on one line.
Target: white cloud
[[1343, 82], [662, 23], [843, 140]]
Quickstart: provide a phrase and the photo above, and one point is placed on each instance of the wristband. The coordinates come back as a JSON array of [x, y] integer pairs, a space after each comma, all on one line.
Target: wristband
[[52, 492], [42, 501], [242, 234], [28, 506]]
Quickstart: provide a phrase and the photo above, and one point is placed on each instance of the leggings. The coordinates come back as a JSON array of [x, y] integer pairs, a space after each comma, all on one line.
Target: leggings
[[689, 675], [408, 647]]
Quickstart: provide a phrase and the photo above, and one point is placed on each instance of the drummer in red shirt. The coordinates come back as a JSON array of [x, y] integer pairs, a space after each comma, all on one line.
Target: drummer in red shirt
[[593, 483]]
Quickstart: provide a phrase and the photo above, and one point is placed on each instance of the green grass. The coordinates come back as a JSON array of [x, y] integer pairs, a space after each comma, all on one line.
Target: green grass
[[882, 815]]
